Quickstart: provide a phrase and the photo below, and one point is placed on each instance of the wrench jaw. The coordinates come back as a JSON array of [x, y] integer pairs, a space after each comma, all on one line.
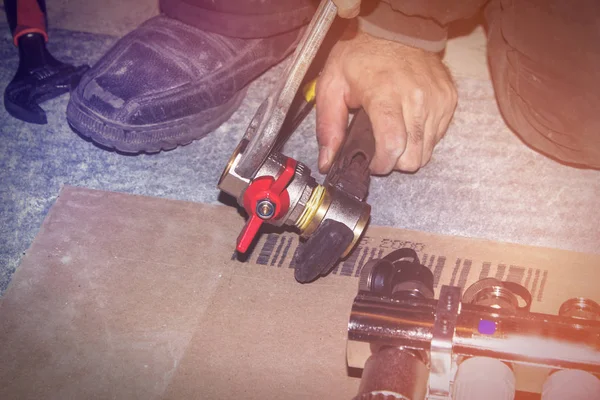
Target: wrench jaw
[[39, 77], [19, 103], [22, 96], [266, 126]]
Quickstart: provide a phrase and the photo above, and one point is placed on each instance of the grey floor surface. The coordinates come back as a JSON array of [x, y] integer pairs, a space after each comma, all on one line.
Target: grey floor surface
[[483, 182]]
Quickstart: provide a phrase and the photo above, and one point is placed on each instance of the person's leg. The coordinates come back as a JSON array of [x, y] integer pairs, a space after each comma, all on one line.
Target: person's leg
[[241, 18], [544, 57], [169, 82]]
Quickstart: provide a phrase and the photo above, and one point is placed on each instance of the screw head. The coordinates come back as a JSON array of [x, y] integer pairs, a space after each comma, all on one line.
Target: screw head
[[265, 209]]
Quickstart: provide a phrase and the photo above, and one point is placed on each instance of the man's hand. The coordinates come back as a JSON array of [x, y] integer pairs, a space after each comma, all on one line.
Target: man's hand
[[347, 8], [408, 94]]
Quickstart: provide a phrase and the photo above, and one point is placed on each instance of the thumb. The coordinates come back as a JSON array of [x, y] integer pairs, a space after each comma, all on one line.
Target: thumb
[[332, 120], [347, 8]]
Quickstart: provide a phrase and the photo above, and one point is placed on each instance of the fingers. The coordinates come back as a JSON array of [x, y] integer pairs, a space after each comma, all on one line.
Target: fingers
[[428, 110], [347, 8], [332, 119], [408, 94], [387, 120], [405, 130], [430, 139], [414, 107], [450, 106], [447, 98]]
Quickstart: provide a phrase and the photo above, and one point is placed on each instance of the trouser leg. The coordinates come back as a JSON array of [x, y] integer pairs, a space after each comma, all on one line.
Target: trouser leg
[[544, 57], [241, 18]]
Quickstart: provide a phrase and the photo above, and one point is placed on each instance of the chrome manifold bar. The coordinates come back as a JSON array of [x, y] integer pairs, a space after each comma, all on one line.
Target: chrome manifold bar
[[490, 320]]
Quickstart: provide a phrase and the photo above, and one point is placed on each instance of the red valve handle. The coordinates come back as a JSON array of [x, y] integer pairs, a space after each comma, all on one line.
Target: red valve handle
[[265, 188]]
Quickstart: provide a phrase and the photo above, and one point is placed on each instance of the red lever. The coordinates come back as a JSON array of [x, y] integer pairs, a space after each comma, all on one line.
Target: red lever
[[273, 191]]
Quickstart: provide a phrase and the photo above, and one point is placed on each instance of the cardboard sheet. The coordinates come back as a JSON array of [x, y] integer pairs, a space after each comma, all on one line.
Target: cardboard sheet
[[128, 297]]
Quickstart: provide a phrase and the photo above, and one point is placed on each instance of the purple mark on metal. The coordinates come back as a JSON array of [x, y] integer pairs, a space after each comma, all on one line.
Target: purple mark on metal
[[487, 327]]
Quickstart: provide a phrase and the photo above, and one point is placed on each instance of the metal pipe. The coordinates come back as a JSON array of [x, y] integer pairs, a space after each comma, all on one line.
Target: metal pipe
[[572, 385], [520, 336]]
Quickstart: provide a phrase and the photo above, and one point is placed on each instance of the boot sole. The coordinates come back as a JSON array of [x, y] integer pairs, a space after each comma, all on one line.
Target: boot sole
[[135, 139]]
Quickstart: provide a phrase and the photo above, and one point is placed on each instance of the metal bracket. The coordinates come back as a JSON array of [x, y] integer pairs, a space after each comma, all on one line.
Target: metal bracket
[[441, 371]]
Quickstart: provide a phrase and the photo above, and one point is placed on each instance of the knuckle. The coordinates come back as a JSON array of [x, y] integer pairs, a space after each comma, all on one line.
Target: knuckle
[[388, 148], [392, 145], [446, 90], [417, 96], [387, 120]]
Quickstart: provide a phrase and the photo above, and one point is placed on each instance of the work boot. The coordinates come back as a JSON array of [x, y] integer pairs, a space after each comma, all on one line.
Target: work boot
[[167, 83]]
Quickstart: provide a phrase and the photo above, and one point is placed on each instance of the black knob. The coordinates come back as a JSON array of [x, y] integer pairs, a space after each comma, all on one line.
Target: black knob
[[398, 275]]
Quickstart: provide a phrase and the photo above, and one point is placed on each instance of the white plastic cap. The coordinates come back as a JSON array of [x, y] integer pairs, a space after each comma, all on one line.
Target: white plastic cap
[[571, 384], [484, 378]]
